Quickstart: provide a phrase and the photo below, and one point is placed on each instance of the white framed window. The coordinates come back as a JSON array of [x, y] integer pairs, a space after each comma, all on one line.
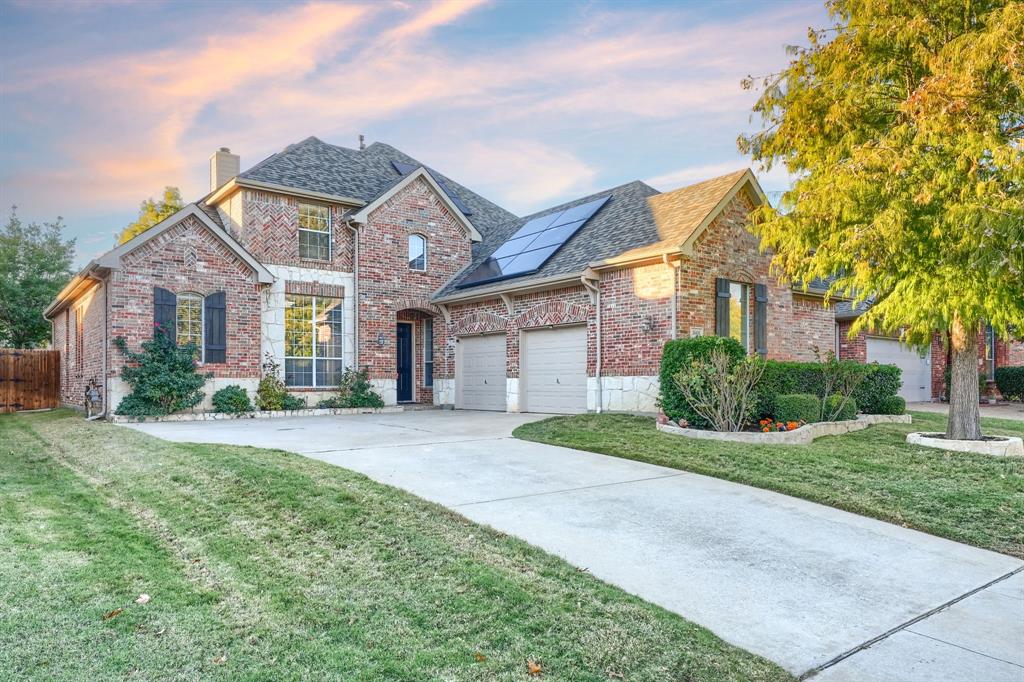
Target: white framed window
[[739, 313], [188, 323], [417, 252], [428, 352], [314, 232], [312, 341]]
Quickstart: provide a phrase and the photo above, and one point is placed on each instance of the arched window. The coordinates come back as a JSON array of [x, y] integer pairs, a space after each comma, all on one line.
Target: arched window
[[189, 321], [417, 252]]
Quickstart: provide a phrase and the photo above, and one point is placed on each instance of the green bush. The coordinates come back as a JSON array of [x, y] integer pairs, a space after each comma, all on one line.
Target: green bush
[[788, 378], [271, 393], [354, 390], [232, 399], [679, 354], [890, 404], [1010, 382], [836, 409], [796, 407], [162, 375], [882, 382]]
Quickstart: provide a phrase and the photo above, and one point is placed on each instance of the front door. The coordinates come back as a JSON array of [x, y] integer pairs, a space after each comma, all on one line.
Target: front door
[[404, 336]]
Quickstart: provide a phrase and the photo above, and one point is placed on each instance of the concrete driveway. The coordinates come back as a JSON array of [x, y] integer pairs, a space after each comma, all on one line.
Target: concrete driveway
[[819, 591]]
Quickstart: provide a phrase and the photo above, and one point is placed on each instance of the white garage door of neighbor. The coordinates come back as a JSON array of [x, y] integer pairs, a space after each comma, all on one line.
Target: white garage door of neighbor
[[917, 370], [480, 373], [554, 376]]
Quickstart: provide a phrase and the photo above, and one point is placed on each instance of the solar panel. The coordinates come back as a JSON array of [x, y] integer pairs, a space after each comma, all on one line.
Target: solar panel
[[406, 168], [533, 244]]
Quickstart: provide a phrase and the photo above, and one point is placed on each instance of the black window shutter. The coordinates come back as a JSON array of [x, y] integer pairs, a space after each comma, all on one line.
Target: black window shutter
[[722, 307], [761, 319], [165, 305], [215, 331]]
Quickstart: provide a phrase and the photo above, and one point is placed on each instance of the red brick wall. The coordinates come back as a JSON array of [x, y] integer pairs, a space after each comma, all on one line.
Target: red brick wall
[[187, 258], [855, 348], [630, 300], [270, 232], [78, 335], [387, 285]]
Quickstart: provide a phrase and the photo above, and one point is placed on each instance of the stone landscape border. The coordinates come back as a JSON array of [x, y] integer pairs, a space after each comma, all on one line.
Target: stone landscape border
[[258, 414], [1007, 446], [801, 436]]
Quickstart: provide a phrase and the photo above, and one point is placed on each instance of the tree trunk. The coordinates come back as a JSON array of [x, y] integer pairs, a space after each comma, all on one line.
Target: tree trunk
[[964, 416]]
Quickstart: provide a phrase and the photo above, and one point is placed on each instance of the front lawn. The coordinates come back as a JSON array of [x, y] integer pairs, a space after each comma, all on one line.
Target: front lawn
[[261, 564], [970, 498]]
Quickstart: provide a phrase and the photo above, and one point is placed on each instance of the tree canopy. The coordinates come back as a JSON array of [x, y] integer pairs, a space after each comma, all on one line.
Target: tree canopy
[[152, 212], [35, 264], [904, 124]]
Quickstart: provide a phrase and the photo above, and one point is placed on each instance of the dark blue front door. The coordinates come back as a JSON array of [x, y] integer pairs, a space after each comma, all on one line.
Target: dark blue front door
[[404, 336]]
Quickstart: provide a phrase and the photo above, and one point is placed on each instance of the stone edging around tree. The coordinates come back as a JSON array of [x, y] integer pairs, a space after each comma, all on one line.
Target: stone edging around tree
[[1005, 446], [259, 414], [801, 436]]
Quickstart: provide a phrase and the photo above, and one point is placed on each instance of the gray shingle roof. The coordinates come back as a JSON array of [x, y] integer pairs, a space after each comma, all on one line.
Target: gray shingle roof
[[623, 223], [365, 174]]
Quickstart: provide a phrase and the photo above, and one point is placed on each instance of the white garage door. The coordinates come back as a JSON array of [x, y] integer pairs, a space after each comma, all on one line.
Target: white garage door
[[917, 371], [480, 373], [554, 371]]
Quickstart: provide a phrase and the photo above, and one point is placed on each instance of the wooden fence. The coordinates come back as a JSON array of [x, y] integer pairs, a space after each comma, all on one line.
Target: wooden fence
[[29, 379]]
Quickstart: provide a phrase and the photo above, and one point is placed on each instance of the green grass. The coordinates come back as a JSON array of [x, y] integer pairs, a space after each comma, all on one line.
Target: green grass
[[265, 565], [970, 498]]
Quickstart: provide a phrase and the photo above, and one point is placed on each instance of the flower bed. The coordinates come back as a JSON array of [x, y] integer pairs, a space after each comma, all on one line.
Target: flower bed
[[257, 414], [799, 436]]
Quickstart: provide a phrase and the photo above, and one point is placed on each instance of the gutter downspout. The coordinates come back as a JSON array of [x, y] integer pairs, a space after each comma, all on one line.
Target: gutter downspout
[[106, 379], [675, 294], [591, 281], [355, 293]]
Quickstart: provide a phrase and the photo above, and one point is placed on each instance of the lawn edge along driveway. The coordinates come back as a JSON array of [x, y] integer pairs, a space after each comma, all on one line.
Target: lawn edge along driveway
[[975, 499], [266, 563]]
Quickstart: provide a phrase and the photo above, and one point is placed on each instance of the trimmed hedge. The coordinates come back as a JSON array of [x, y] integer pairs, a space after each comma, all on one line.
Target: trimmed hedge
[[232, 399], [681, 353], [797, 407], [848, 411], [891, 404], [1010, 382], [790, 378]]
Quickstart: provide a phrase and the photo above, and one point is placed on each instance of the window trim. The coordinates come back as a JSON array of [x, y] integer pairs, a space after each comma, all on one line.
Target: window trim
[[423, 238], [428, 344], [202, 321], [315, 339], [329, 232]]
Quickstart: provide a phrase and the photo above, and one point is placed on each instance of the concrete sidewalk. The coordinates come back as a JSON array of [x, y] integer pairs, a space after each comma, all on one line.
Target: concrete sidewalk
[[802, 584], [1000, 411]]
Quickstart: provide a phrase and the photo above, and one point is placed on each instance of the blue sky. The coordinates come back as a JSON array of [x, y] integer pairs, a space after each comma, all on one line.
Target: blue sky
[[528, 103]]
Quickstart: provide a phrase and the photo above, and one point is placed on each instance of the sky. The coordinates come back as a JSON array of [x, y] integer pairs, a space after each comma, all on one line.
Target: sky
[[529, 103]]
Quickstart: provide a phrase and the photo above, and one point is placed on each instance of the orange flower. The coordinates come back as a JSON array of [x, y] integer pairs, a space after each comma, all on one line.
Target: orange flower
[[766, 429], [792, 425]]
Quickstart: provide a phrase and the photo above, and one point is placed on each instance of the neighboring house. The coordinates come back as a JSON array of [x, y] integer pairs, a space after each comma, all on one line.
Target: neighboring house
[[325, 258]]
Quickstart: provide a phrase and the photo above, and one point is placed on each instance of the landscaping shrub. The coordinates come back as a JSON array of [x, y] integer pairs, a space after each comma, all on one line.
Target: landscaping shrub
[[232, 399], [797, 407], [354, 390], [271, 393], [162, 375], [838, 409], [788, 378], [719, 389], [881, 382], [1010, 382], [890, 404], [681, 353]]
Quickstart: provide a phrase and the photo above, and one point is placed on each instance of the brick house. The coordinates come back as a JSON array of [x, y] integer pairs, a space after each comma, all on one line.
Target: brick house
[[326, 257]]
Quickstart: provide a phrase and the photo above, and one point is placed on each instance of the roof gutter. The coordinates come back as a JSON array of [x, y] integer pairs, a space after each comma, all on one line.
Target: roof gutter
[[78, 284], [230, 186], [522, 288]]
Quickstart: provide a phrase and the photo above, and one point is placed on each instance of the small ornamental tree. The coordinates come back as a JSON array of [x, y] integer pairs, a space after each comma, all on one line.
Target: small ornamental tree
[[162, 375], [904, 125]]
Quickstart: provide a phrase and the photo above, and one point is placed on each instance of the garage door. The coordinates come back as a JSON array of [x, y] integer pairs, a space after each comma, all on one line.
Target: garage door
[[917, 371], [480, 373], [554, 371]]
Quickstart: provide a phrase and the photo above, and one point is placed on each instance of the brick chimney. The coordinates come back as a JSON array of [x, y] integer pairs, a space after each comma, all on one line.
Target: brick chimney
[[223, 166]]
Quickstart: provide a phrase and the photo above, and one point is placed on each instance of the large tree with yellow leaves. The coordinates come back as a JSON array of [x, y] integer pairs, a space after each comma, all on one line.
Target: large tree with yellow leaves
[[904, 124]]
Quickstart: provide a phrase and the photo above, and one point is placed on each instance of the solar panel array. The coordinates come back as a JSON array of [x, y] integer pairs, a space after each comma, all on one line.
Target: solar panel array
[[406, 168], [533, 244]]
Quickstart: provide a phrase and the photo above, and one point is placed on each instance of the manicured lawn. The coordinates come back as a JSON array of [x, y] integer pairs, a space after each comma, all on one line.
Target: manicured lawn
[[970, 498], [265, 565]]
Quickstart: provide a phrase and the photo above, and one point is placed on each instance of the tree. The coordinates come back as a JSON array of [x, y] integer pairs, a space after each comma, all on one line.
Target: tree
[[152, 212], [35, 263], [904, 125]]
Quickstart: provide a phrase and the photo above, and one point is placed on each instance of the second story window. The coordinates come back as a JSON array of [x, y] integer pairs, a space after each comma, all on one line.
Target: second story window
[[314, 232], [417, 252]]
